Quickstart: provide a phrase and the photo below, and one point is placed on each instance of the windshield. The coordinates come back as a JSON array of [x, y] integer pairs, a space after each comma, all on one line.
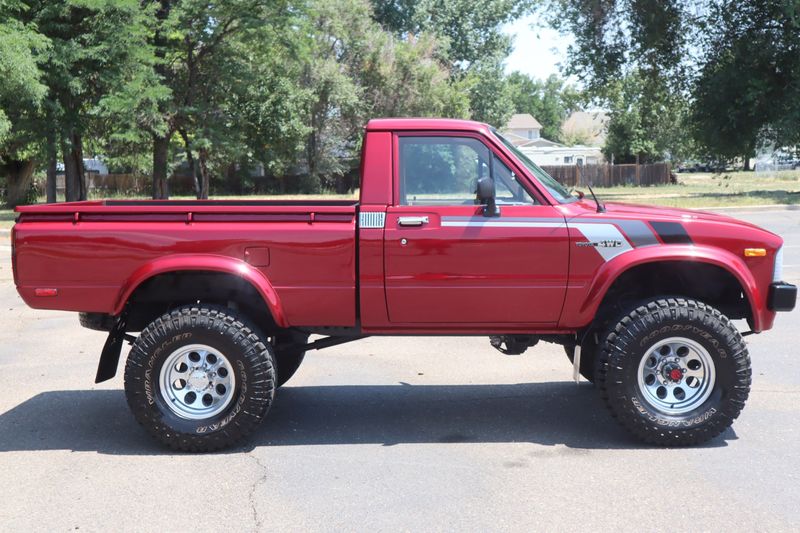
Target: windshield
[[558, 191]]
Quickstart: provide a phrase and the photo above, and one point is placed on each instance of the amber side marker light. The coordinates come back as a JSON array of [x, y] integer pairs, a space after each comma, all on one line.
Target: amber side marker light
[[755, 252]]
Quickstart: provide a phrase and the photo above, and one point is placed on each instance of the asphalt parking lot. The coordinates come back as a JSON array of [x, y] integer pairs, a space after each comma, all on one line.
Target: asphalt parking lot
[[390, 434]]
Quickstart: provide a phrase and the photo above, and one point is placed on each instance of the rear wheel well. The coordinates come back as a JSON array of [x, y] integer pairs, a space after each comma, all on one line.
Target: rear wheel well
[[705, 282], [162, 293]]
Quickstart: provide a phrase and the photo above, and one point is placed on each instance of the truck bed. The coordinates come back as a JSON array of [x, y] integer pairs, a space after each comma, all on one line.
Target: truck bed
[[92, 252]]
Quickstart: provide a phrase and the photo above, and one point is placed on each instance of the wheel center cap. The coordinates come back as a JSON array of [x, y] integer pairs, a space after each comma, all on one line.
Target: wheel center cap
[[673, 372], [198, 380]]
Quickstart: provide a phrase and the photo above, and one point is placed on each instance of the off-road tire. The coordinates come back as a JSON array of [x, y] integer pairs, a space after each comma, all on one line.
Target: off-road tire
[[250, 357], [627, 341], [287, 357]]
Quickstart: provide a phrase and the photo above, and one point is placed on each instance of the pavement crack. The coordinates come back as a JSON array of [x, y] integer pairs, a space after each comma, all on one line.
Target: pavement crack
[[257, 522]]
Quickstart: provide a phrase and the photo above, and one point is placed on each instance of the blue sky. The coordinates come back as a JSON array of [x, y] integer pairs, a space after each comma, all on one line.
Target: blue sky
[[538, 51]]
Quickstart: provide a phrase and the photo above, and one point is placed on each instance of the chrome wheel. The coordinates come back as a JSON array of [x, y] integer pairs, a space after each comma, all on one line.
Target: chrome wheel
[[676, 375], [197, 382]]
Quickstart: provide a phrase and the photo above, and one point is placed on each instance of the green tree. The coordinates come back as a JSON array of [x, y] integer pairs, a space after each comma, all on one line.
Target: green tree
[[730, 68], [748, 89], [473, 43], [355, 70], [614, 38], [95, 48], [268, 102], [631, 57], [21, 95], [195, 54], [407, 78], [472, 28], [647, 122], [490, 95], [550, 101]]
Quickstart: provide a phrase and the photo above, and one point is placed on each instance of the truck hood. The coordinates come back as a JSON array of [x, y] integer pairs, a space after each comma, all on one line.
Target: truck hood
[[650, 212], [702, 226]]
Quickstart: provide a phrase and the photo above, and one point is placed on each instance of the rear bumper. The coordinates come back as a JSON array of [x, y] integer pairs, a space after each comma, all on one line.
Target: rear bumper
[[781, 296]]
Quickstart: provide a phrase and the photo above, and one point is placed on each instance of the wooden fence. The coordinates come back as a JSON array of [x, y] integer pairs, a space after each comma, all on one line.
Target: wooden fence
[[607, 175], [129, 183], [604, 175]]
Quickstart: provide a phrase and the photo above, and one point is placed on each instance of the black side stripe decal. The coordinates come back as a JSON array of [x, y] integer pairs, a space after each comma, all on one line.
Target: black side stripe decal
[[671, 232]]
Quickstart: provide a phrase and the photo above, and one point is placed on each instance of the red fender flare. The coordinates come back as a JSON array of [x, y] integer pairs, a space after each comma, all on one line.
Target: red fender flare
[[729, 262], [212, 263]]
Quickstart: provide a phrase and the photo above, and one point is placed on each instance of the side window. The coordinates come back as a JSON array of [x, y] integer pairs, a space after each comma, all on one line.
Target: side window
[[441, 170], [507, 188]]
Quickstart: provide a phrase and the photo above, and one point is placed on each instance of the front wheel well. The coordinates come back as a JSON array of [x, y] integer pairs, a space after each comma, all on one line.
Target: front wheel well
[[162, 293], [710, 284]]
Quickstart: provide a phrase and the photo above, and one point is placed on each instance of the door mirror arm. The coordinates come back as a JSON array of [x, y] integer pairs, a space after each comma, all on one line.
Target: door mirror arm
[[486, 197]]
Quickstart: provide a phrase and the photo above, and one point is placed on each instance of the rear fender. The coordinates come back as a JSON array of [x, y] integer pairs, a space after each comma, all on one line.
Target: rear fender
[[211, 263]]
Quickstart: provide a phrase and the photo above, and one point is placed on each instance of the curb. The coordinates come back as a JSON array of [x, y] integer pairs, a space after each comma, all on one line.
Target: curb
[[746, 208]]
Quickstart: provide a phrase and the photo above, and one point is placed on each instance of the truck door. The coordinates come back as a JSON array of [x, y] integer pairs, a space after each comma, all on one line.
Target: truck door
[[446, 263]]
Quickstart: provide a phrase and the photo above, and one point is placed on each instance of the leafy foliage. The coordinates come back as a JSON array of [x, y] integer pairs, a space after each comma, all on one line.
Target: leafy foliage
[[21, 89], [646, 121], [748, 88], [551, 101], [715, 77], [472, 28], [215, 89]]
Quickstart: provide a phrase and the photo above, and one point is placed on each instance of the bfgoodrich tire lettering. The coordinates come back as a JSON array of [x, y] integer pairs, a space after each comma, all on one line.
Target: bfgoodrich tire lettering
[[657, 323], [250, 358]]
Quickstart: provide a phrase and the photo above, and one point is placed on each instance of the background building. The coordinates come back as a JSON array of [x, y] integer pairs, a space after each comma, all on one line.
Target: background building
[[525, 132]]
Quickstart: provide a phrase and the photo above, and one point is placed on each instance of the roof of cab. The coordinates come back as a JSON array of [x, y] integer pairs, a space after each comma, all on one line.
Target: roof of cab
[[417, 124]]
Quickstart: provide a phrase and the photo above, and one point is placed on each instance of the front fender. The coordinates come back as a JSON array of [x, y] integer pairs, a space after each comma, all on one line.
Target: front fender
[[205, 262], [587, 306]]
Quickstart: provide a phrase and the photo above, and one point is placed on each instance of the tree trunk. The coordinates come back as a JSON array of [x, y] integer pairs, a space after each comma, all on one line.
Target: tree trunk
[[187, 144], [204, 176], [18, 180], [77, 148], [74, 176], [160, 154], [747, 162], [52, 170], [161, 142], [233, 180], [311, 153]]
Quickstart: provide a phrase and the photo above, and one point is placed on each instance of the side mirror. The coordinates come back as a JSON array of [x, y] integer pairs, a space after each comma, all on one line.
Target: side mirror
[[485, 194]]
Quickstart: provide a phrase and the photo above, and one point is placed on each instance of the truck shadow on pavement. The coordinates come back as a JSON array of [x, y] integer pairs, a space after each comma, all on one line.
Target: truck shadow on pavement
[[542, 413]]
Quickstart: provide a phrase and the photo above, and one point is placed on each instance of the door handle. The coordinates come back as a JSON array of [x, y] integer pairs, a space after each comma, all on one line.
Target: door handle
[[412, 221]]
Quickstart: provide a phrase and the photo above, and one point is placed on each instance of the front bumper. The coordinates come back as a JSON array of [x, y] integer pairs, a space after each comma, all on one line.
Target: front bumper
[[781, 296]]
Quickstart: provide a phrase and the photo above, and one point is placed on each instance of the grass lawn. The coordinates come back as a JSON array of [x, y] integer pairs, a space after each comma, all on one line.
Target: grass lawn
[[692, 190], [714, 190]]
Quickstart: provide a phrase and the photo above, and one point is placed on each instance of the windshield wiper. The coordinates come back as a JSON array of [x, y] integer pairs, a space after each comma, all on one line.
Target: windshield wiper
[[600, 207]]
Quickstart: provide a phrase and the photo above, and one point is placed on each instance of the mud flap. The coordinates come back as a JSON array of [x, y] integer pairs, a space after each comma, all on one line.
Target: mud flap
[[576, 364], [109, 358]]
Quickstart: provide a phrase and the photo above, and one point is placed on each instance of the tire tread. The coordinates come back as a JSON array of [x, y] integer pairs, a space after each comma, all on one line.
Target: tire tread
[[257, 353], [613, 357]]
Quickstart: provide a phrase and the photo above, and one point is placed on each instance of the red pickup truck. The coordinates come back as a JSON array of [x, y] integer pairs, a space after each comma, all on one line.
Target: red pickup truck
[[456, 232]]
